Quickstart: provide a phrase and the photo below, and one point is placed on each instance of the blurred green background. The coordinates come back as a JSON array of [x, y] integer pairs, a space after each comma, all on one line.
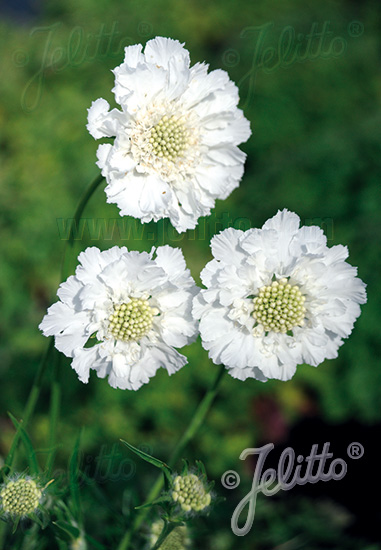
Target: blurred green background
[[315, 149]]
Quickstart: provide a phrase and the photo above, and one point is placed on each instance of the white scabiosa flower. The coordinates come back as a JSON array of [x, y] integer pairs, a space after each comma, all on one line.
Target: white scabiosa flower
[[123, 313], [177, 135], [276, 297]]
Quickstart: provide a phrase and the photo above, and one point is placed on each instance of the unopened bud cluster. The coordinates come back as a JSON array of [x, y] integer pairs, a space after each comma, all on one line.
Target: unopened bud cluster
[[169, 137], [21, 497], [279, 307], [132, 320], [190, 493]]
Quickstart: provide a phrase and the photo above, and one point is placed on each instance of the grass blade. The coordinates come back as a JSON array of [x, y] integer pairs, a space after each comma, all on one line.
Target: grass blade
[[30, 452]]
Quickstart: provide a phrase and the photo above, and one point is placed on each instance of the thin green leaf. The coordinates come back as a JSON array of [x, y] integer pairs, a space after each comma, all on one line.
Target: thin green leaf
[[29, 451], [148, 458], [15, 525], [157, 501], [70, 531], [201, 468], [152, 460], [4, 471], [36, 519], [185, 470]]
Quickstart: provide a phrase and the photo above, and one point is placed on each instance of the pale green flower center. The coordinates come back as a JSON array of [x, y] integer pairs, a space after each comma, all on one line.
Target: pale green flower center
[[20, 497], [132, 320], [279, 307], [169, 138], [190, 493]]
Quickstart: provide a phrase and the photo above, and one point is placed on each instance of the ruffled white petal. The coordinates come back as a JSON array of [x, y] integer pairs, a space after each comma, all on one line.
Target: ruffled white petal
[[101, 122], [226, 247], [162, 51], [67, 325]]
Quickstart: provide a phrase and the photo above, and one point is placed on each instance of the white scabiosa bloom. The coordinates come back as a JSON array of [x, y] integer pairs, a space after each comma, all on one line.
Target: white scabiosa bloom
[[123, 313], [276, 297], [177, 135]]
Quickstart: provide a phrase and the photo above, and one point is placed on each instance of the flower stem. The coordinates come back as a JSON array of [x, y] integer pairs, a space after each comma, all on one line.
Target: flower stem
[[87, 194], [195, 423], [35, 391]]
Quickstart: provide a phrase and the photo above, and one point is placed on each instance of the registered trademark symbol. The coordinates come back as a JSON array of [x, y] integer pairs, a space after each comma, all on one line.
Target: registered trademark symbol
[[355, 29], [355, 450], [145, 28]]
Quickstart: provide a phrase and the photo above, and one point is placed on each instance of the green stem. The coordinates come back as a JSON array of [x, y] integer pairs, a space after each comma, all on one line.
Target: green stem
[[87, 194], [195, 423], [198, 418]]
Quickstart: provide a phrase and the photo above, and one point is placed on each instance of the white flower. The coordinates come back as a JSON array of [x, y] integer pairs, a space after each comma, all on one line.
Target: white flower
[[131, 307], [177, 134], [276, 297]]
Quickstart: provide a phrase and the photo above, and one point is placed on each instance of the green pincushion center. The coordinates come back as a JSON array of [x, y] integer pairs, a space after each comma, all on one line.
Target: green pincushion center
[[279, 307], [169, 138], [132, 320]]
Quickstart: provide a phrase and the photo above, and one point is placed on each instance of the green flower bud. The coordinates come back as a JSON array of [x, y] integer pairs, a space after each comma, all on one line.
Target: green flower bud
[[21, 497], [189, 492]]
